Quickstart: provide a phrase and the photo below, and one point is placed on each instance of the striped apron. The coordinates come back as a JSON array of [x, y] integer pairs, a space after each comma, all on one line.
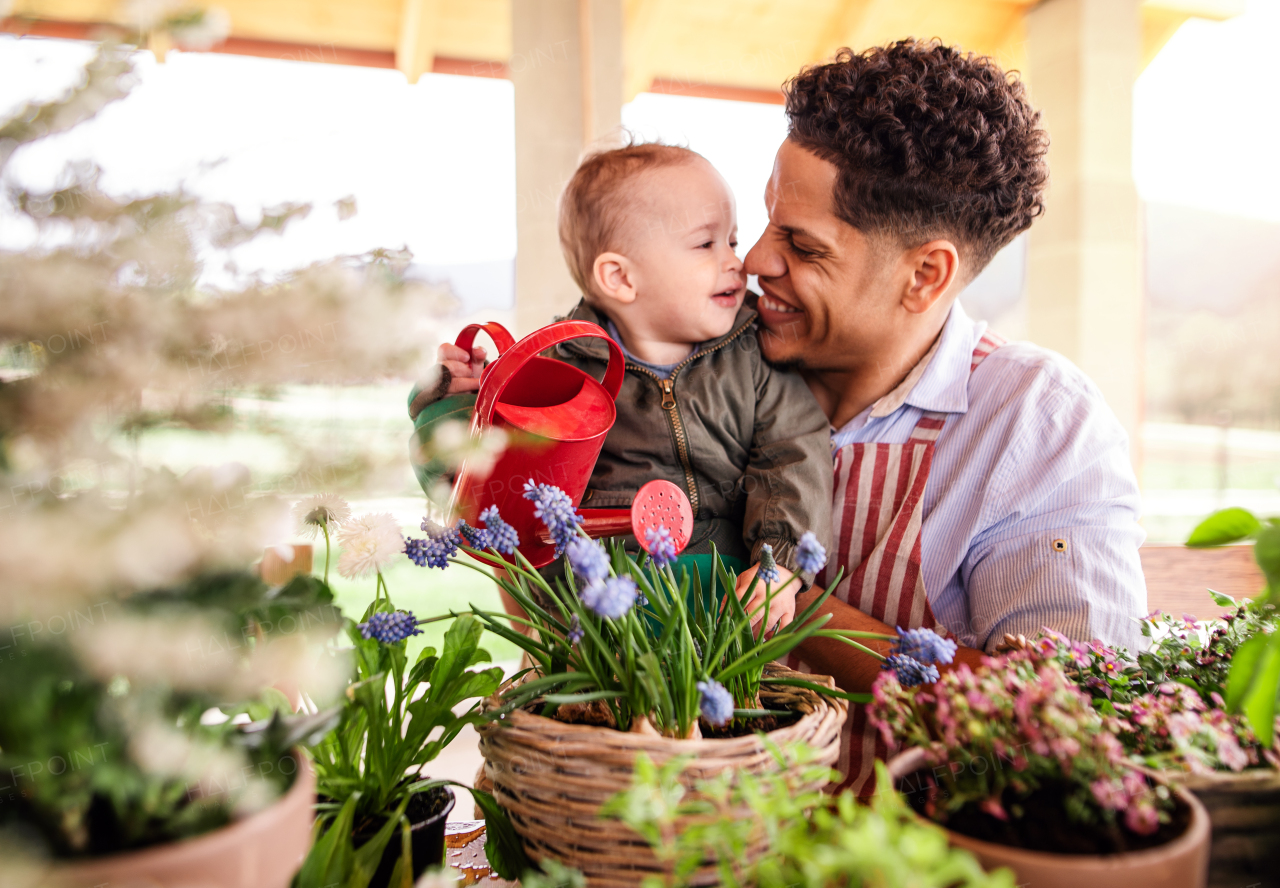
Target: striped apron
[[876, 516]]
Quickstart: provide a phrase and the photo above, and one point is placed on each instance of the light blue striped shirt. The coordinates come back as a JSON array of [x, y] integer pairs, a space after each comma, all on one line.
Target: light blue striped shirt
[[1031, 507]]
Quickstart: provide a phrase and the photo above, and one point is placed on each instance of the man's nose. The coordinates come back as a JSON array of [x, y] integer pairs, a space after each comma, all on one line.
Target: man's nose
[[764, 260]]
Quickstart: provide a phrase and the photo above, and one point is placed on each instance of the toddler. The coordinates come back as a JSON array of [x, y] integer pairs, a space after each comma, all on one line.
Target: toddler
[[649, 232]]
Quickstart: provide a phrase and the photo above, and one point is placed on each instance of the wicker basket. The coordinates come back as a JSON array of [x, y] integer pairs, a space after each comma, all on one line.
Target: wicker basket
[[552, 777]]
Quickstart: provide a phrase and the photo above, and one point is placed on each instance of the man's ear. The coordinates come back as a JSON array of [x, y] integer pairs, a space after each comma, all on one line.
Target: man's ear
[[615, 277], [935, 267]]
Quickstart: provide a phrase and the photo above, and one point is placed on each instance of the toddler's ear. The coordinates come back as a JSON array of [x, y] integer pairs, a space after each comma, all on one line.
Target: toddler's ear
[[614, 276]]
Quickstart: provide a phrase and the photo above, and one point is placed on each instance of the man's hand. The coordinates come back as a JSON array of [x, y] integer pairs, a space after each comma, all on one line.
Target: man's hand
[[463, 369], [782, 606]]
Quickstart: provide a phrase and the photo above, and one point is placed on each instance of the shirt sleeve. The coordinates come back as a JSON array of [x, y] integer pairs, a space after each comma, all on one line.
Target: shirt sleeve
[[788, 477], [1060, 548]]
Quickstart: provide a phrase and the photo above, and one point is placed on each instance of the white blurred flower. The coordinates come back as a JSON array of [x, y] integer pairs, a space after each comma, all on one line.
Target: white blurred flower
[[323, 510], [453, 444], [369, 543]]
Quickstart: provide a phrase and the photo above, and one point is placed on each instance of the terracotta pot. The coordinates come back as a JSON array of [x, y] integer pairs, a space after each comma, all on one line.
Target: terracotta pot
[[1244, 811], [1182, 863], [260, 851]]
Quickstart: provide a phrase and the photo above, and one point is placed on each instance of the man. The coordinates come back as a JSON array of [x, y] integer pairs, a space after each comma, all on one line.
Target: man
[[983, 488]]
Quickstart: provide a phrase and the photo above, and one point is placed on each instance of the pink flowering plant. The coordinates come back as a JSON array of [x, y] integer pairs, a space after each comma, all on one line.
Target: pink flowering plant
[[1002, 740], [1168, 702]]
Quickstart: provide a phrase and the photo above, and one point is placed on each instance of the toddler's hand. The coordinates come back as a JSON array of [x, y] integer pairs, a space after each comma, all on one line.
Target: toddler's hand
[[782, 606], [464, 370]]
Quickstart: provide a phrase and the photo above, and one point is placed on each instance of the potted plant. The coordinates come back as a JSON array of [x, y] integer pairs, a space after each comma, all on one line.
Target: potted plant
[[1016, 763], [380, 822], [144, 733], [1199, 705], [151, 744], [813, 838], [623, 664]]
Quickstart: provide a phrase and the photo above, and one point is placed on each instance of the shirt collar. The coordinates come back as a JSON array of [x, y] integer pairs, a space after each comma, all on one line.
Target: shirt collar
[[939, 382]]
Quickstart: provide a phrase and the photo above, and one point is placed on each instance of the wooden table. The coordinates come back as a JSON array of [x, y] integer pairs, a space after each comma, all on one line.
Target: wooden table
[[464, 852]]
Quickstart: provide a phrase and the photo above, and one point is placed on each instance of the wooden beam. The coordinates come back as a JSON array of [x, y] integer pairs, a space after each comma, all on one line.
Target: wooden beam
[[418, 37], [266, 49], [711, 91]]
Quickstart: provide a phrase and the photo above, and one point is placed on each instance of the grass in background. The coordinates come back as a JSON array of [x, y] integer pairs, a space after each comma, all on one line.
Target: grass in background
[[427, 592]]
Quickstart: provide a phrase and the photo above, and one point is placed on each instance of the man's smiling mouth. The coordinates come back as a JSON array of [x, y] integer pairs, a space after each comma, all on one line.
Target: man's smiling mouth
[[775, 305]]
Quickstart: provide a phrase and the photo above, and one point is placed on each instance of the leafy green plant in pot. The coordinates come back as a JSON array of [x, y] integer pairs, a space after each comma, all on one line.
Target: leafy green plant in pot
[[379, 821], [629, 657], [1016, 762], [813, 838]]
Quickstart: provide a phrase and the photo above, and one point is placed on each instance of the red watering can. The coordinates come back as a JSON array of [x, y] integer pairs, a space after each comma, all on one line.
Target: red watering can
[[556, 417]]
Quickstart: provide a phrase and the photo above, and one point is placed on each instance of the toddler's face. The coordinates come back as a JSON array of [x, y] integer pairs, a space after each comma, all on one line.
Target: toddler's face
[[690, 282]]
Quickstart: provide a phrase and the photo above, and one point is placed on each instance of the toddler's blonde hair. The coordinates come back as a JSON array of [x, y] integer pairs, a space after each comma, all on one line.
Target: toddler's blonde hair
[[595, 203]]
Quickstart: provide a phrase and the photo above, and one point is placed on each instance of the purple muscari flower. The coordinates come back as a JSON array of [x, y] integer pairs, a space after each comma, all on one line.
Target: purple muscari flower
[[553, 506], [660, 546], [924, 645], [810, 556], [588, 560], [440, 545], [502, 536], [716, 703], [390, 628], [612, 598], [575, 630], [768, 570], [475, 537], [911, 672]]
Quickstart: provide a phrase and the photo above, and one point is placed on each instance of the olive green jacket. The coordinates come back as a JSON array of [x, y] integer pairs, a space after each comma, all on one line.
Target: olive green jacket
[[745, 440]]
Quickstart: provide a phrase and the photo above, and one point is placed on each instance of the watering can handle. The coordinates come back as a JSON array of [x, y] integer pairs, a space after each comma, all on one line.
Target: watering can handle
[[500, 373], [498, 333]]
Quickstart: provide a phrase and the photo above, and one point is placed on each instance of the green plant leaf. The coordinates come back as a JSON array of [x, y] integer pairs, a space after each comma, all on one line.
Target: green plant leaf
[[1221, 599], [1223, 527], [1266, 551], [502, 845], [330, 859], [1244, 665], [1259, 704]]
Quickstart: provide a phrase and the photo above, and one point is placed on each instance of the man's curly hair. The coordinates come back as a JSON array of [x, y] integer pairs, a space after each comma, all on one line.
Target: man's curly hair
[[929, 142]]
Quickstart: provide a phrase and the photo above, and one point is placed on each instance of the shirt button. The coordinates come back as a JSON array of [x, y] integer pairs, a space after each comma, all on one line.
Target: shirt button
[[1059, 545]]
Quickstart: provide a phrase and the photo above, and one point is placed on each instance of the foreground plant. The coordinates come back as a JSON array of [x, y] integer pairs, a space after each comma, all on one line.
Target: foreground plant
[[1253, 684], [139, 639], [814, 840], [624, 634], [125, 730], [397, 719], [1017, 737]]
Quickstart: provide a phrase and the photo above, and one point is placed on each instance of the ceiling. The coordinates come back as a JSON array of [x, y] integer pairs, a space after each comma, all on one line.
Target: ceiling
[[749, 45]]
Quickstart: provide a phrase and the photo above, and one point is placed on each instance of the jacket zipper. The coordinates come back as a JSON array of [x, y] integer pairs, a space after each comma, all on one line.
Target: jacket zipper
[[668, 387]]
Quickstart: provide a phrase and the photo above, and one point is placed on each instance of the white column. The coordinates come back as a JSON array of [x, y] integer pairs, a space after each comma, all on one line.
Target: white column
[[1084, 272], [566, 65]]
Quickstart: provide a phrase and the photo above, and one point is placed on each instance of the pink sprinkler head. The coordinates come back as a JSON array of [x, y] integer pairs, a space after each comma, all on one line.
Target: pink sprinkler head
[[661, 504]]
